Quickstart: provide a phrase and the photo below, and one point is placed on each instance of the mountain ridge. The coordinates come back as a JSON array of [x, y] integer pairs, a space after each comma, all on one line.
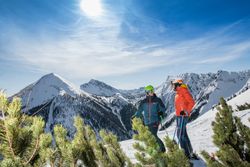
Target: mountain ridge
[[59, 100]]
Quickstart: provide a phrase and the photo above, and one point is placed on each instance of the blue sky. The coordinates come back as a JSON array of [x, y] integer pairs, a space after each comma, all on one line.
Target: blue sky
[[125, 43]]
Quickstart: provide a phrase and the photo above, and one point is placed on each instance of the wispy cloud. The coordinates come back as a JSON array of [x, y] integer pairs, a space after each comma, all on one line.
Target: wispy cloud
[[93, 48]]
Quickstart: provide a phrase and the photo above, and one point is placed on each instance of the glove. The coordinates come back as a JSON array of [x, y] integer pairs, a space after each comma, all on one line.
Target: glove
[[131, 119], [160, 113], [182, 113]]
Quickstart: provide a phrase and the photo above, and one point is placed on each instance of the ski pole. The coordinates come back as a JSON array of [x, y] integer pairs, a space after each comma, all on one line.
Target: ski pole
[[174, 132], [162, 126], [182, 120]]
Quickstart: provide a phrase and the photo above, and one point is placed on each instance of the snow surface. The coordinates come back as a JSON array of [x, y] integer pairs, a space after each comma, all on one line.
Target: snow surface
[[240, 99], [224, 86], [200, 131]]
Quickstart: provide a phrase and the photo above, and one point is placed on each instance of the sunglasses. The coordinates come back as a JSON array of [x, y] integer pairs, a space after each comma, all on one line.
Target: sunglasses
[[174, 84], [148, 91]]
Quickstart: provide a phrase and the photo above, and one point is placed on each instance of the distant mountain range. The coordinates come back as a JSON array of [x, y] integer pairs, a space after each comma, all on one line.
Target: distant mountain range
[[103, 106]]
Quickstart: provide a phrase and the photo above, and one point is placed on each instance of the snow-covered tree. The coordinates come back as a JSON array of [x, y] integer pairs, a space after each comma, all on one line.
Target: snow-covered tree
[[22, 138], [232, 139]]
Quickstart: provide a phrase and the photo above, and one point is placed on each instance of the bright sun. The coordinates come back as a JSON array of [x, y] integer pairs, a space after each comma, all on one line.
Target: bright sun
[[92, 8]]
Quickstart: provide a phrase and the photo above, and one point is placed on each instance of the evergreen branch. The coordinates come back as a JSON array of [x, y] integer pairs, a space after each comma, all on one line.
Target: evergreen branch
[[9, 141], [34, 152]]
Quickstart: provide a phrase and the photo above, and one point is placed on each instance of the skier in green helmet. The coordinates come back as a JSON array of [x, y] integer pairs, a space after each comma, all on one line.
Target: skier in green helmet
[[152, 109]]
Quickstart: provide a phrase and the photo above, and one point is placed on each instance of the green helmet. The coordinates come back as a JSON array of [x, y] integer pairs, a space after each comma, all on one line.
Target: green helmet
[[149, 88]]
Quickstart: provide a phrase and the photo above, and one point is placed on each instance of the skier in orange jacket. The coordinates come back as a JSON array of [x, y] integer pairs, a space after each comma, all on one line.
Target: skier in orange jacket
[[184, 101], [184, 104]]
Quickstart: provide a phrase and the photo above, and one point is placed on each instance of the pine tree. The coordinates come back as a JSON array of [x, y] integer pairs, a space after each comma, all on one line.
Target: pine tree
[[48, 153], [149, 152], [84, 147], [21, 136], [77, 149], [243, 107], [99, 149], [107, 151], [232, 139], [114, 151], [211, 161], [175, 156], [244, 133]]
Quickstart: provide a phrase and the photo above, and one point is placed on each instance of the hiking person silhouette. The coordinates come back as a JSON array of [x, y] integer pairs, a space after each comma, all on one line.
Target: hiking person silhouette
[[152, 109], [184, 104]]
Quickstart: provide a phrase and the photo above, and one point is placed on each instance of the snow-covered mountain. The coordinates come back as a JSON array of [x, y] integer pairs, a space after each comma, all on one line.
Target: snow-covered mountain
[[100, 88], [58, 101], [103, 106], [45, 89], [206, 89]]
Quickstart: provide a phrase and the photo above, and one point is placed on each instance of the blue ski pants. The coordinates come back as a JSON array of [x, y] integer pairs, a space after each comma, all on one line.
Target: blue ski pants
[[183, 136]]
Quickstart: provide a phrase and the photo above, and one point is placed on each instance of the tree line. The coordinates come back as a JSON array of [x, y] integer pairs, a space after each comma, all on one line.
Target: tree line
[[23, 143]]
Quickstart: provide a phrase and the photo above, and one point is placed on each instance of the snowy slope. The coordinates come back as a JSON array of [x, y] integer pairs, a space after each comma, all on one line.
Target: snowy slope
[[206, 89], [134, 94], [99, 88], [241, 99], [45, 89], [95, 112], [200, 131], [225, 85]]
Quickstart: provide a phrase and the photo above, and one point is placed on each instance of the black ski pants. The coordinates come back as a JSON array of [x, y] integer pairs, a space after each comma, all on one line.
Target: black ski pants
[[153, 128]]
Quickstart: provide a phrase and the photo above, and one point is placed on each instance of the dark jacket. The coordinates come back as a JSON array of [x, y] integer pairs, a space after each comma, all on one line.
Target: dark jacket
[[149, 109]]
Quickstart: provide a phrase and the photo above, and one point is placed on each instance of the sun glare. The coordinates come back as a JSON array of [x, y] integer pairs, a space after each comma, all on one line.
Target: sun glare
[[92, 8]]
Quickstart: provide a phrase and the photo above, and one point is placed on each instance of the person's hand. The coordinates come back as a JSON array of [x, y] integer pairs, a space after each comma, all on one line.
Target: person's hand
[[182, 113], [132, 117], [160, 113]]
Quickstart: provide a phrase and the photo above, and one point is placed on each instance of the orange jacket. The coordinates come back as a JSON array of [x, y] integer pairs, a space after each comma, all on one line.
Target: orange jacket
[[183, 100]]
